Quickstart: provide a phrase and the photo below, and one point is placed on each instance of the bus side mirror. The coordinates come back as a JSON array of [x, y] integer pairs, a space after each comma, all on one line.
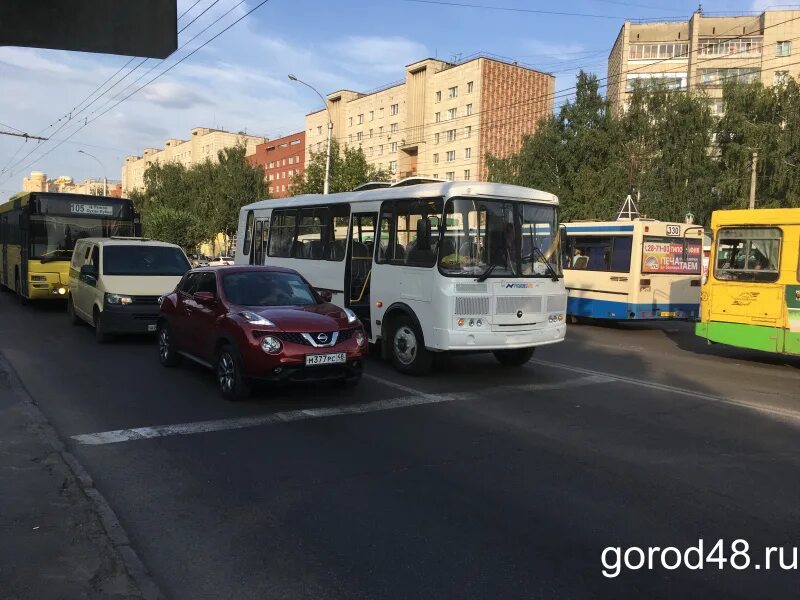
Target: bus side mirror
[[88, 272], [562, 238], [424, 234]]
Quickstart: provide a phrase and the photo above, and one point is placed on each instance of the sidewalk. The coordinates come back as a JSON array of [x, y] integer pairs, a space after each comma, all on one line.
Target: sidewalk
[[54, 527]]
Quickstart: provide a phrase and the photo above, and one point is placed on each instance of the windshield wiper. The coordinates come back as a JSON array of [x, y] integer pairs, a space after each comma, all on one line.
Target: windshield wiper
[[55, 256], [551, 271], [485, 275]]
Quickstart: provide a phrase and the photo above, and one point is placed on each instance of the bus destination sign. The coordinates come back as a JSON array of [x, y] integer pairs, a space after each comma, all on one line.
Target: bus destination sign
[[94, 210]]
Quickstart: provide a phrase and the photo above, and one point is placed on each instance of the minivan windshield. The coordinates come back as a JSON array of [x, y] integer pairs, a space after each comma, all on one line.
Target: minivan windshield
[[267, 288], [499, 238], [144, 260]]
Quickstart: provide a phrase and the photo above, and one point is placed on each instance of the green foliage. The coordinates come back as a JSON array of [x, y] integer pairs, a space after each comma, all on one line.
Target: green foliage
[[349, 169], [189, 206], [662, 147]]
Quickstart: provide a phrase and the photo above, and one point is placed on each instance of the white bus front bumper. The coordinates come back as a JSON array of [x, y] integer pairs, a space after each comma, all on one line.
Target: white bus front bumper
[[445, 339]]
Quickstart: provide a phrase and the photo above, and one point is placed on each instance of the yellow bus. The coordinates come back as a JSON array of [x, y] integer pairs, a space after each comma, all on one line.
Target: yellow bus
[[38, 232], [751, 297]]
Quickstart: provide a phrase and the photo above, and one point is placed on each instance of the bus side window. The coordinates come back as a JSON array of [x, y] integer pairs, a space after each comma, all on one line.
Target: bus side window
[[255, 255], [621, 254], [248, 234]]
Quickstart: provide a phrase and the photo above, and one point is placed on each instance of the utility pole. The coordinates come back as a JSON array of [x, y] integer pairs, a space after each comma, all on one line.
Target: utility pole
[[753, 181], [24, 135]]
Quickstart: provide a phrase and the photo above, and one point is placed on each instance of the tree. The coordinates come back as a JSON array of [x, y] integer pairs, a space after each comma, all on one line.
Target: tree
[[204, 199], [349, 169]]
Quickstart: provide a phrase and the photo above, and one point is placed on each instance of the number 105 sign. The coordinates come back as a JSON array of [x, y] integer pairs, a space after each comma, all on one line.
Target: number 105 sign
[[95, 210]]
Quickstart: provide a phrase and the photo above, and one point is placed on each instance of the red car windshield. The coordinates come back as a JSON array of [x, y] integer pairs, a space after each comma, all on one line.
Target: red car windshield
[[267, 288]]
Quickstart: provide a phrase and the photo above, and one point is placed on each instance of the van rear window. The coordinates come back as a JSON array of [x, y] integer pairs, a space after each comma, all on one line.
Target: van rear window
[[144, 260]]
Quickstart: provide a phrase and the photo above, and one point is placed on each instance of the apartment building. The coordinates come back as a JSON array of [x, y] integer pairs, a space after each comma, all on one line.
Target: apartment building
[[203, 144], [442, 120], [282, 158], [704, 52], [38, 181]]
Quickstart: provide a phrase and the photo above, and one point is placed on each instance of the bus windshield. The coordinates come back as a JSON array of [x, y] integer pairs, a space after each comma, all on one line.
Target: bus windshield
[[499, 238], [53, 238]]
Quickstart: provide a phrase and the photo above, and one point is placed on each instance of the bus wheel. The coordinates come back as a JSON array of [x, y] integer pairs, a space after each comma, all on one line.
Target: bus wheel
[[18, 287], [409, 354], [100, 333], [514, 358], [73, 317]]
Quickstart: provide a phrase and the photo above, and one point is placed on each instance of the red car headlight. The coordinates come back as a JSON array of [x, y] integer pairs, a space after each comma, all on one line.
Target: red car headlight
[[361, 340]]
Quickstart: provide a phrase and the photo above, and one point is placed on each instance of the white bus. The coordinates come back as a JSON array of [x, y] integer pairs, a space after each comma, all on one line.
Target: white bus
[[427, 267], [637, 269]]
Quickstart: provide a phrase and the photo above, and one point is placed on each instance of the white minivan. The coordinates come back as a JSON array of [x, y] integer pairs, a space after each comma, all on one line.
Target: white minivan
[[115, 283]]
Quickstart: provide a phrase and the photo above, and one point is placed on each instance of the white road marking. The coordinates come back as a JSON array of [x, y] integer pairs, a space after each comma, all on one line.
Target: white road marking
[[416, 399], [783, 413]]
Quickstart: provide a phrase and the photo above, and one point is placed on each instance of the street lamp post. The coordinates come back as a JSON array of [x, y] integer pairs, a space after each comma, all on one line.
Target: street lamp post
[[326, 185], [105, 179]]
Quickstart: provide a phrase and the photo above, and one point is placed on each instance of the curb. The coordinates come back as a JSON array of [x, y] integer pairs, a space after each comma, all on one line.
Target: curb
[[119, 539]]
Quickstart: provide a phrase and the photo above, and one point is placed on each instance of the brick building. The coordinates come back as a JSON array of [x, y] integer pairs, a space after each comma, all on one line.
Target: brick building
[[442, 120], [282, 159]]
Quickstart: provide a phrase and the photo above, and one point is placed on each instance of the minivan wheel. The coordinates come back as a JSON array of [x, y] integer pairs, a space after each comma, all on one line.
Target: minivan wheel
[[408, 351], [100, 333], [73, 316], [514, 358], [167, 353], [231, 381]]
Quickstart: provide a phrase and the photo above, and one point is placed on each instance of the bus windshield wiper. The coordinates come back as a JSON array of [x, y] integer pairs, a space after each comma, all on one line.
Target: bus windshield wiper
[[55, 256], [485, 275], [551, 271]]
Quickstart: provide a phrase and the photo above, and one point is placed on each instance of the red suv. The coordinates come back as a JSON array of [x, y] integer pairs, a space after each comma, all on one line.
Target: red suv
[[266, 323]]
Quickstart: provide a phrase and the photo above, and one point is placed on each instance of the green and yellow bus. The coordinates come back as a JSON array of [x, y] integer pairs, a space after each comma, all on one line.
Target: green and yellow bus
[[751, 297], [38, 232]]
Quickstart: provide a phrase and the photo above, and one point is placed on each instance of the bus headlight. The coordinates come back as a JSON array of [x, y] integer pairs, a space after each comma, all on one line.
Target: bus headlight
[[555, 318], [271, 345], [118, 299]]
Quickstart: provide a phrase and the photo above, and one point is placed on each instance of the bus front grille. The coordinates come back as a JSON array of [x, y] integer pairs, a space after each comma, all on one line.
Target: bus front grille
[[472, 305], [509, 305], [557, 303]]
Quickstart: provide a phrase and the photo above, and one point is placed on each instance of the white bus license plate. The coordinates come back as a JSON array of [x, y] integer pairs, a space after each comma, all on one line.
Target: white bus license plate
[[151, 327], [337, 358]]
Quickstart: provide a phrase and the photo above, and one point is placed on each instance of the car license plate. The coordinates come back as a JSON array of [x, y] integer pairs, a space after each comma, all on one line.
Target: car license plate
[[337, 358], [151, 327], [668, 314]]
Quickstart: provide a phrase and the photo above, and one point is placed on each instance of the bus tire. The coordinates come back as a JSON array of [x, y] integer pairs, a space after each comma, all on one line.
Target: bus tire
[[100, 333], [74, 319], [18, 287], [407, 347], [514, 358]]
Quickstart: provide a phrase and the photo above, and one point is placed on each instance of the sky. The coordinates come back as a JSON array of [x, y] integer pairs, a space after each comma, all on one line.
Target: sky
[[239, 81]]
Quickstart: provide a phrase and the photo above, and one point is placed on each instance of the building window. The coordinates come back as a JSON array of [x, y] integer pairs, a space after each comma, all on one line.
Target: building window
[[394, 109], [436, 158], [469, 109], [672, 81], [470, 86], [783, 48], [451, 135], [371, 150], [372, 115], [359, 136], [722, 47], [468, 153], [467, 131], [319, 129], [350, 121], [350, 138], [380, 130], [393, 166], [716, 77], [451, 155], [452, 113], [380, 113], [436, 176], [393, 127], [380, 149], [466, 174], [450, 175], [370, 133], [435, 138], [452, 92], [438, 96], [271, 165], [780, 78], [361, 119], [655, 51], [438, 117], [394, 146]]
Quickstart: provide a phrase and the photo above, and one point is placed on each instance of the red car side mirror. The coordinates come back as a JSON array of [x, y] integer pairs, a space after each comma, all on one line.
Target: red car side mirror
[[204, 298], [326, 295]]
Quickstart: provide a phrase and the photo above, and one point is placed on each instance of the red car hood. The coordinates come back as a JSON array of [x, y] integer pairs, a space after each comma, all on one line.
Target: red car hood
[[304, 319]]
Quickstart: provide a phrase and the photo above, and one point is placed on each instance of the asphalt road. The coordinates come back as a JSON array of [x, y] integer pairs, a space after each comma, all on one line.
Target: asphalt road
[[475, 482]]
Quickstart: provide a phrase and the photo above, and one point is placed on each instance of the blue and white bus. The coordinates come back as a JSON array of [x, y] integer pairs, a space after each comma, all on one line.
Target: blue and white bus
[[633, 269]]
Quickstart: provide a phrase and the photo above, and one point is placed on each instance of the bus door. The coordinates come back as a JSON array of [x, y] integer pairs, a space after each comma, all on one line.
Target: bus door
[[260, 236], [359, 269], [792, 336]]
